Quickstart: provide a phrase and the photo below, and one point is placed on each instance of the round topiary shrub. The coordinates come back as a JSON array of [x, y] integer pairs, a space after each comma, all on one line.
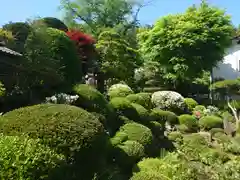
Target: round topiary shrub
[[123, 107], [209, 122], [48, 47], [191, 103], [23, 158], [92, 100], [119, 90], [169, 100], [138, 132], [175, 136], [142, 113], [147, 175], [69, 130], [54, 23], [213, 131], [189, 121], [164, 116], [133, 152], [143, 99], [119, 138]]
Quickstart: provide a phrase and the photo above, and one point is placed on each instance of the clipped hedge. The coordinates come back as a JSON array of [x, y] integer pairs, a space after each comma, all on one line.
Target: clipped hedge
[[119, 90], [119, 138], [132, 152], [209, 122], [2, 89], [69, 130], [189, 121], [22, 158], [164, 116], [142, 113], [138, 132], [92, 100], [143, 99], [191, 103], [147, 175], [123, 107]]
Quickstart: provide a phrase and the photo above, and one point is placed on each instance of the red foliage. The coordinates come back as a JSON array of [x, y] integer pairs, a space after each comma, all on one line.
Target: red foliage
[[80, 38]]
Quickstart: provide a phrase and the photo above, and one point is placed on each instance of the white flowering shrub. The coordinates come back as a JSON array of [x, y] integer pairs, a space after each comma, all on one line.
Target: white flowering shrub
[[168, 100], [211, 110], [117, 86], [62, 98]]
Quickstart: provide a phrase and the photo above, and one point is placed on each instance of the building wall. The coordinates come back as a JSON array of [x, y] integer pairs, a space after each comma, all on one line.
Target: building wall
[[229, 68]]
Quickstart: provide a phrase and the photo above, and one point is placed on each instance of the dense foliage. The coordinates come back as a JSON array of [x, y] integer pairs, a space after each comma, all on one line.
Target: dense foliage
[[69, 130]]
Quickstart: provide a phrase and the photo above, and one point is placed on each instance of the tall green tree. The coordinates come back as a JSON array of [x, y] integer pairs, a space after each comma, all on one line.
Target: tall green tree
[[95, 15], [118, 60], [189, 43]]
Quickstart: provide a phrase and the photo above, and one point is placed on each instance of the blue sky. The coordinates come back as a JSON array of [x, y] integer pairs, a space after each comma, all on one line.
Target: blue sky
[[20, 10]]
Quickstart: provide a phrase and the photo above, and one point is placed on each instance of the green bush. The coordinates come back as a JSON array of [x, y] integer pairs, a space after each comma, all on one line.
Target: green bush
[[200, 108], [142, 113], [54, 23], [191, 103], [119, 90], [138, 132], [189, 121], [123, 107], [2, 89], [133, 152], [119, 138], [69, 130], [22, 158], [147, 175], [164, 116], [51, 48], [143, 99], [174, 136], [213, 131], [209, 122], [92, 100]]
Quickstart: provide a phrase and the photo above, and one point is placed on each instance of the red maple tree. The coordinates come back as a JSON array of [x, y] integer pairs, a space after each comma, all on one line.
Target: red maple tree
[[80, 38]]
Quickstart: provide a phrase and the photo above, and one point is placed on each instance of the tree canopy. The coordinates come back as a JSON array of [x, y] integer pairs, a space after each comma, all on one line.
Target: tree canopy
[[189, 43]]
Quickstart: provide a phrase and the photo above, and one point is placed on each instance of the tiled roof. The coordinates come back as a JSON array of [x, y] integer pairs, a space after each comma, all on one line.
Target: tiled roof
[[9, 51]]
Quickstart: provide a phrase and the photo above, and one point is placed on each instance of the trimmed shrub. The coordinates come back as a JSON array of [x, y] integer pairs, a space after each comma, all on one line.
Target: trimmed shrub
[[142, 113], [209, 122], [174, 136], [54, 23], [213, 131], [133, 152], [69, 130], [48, 47], [164, 116], [147, 175], [119, 138], [182, 128], [143, 99], [92, 100], [138, 132], [191, 103], [199, 108], [22, 158], [123, 107], [169, 100], [156, 128], [189, 121], [119, 90]]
